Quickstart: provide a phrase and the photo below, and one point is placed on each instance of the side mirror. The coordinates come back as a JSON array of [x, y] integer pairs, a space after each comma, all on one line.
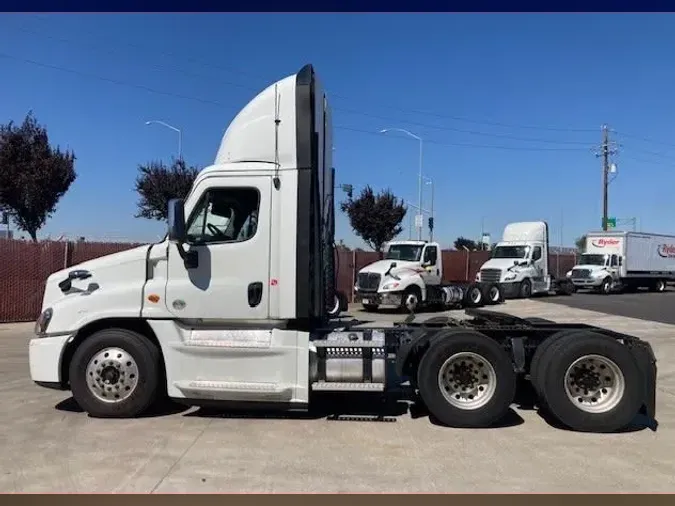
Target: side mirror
[[176, 213], [393, 265]]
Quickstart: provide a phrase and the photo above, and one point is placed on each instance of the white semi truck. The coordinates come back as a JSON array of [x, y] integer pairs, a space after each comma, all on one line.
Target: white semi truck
[[617, 261], [520, 263], [238, 317], [411, 275]]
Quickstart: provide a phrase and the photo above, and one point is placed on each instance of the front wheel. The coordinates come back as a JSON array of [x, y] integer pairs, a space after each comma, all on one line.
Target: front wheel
[[525, 289], [411, 299], [115, 373], [466, 380], [606, 286], [660, 285]]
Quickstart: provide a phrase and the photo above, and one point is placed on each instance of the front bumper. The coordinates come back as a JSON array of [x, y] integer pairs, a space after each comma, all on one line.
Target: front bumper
[[44, 358], [586, 282], [379, 298]]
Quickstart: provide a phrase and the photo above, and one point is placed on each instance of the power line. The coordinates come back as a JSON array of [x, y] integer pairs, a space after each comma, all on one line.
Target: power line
[[219, 104], [212, 65]]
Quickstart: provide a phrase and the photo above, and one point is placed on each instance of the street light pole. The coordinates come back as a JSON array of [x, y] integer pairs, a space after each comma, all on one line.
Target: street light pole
[[180, 135], [410, 134]]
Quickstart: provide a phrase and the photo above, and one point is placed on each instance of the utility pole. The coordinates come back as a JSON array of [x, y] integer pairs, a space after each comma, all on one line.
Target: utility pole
[[605, 152]]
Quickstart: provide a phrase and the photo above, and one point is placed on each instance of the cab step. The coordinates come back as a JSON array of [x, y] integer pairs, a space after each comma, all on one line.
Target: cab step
[[334, 386]]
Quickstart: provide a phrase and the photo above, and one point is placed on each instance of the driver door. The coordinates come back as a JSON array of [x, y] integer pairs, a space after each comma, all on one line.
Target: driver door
[[432, 271], [229, 235]]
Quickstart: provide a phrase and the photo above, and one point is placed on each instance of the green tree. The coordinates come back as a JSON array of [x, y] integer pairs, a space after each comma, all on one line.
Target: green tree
[[375, 218], [462, 242], [33, 175], [158, 183], [581, 243]]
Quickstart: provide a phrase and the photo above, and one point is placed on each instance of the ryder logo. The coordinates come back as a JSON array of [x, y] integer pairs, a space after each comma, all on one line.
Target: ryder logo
[[666, 250], [604, 241]]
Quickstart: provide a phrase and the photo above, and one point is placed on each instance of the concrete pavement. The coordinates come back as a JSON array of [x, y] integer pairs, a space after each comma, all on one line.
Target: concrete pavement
[[48, 446]]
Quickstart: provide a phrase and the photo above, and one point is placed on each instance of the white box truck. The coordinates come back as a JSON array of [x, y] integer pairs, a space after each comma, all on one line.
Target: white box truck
[[238, 317], [520, 262], [616, 261]]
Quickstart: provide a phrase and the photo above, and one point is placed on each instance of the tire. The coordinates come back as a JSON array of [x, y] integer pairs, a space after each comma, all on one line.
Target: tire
[[525, 291], [473, 296], [488, 401], [541, 358], [132, 357], [660, 286], [492, 294], [412, 296], [336, 308], [613, 408], [606, 286], [344, 303]]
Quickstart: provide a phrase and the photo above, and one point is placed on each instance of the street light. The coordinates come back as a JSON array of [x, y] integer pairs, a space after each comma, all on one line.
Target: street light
[[410, 134], [430, 182], [180, 135]]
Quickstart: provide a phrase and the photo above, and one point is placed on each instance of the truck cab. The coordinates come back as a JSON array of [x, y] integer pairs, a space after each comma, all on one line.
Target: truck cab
[[402, 277], [520, 261]]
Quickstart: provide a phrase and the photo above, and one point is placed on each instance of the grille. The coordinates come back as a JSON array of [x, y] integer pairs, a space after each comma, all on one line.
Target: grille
[[368, 281], [490, 275], [580, 273]]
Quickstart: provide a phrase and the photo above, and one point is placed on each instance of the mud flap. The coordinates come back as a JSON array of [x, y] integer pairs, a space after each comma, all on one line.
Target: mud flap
[[646, 360]]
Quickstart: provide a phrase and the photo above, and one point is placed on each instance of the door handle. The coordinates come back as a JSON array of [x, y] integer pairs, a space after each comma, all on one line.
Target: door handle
[[255, 291]]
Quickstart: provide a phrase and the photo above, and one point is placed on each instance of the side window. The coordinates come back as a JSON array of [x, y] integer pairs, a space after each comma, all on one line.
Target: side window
[[224, 215], [615, 261], [536, 254], [430, 255], [620, 261]]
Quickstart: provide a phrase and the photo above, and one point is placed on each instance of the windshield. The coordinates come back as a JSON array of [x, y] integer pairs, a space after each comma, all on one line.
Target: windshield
[[510, 252], [405, 252], [587, 259]]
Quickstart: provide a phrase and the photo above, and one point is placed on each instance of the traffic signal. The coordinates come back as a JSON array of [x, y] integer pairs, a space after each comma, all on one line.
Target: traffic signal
[[348, 189], [431, 223]]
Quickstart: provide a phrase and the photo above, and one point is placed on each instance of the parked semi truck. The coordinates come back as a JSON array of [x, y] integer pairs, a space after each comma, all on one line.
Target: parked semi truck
[[238, 316], [520, 263], [411, 276], [625, 261]]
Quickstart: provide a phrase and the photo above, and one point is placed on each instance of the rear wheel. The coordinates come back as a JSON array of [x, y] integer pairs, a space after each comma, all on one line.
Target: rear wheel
[[542, 356], [492, 294], [466, 380], [115, 373], [473, 296], [335, 308], [593, 384], [659, 285]]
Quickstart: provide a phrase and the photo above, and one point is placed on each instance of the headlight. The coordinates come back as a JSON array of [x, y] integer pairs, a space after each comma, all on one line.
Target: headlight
[[510, 276], [43, 321], [478, 276], [390, 286], [569, 274]]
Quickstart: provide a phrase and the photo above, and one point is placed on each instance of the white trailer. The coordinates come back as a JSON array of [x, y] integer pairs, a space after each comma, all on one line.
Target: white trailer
[[520, 263], [625, 261], [238, 317], [411, 275]]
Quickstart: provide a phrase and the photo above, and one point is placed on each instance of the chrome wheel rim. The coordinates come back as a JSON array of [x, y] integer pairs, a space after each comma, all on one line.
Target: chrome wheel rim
[[467, 380], [112, 375], [494, 294], [336, 306], [594, 384], [475, 295], [411, 301]]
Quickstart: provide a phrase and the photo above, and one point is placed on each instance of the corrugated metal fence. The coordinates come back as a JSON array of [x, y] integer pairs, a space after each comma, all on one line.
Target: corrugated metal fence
[[24, 267]]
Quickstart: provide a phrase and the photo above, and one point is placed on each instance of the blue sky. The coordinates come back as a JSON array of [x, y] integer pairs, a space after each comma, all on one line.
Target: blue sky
[[484, 91]]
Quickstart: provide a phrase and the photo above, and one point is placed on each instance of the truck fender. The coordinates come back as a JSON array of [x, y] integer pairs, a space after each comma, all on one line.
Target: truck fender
[[417, 340]]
